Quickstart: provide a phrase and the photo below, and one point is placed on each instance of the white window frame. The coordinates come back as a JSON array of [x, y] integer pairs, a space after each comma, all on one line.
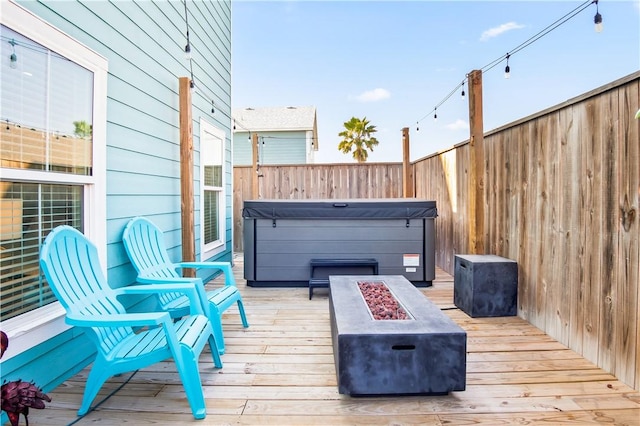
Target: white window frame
[[207, 251], [34, 327]]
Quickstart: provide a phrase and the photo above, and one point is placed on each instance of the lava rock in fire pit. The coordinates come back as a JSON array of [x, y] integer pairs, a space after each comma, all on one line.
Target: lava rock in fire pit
[[381, 302]]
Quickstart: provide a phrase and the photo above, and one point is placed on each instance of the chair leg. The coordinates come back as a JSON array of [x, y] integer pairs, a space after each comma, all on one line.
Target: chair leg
[[217, 361], [215, 317], [243, 316], [97, 376], [190, 375]]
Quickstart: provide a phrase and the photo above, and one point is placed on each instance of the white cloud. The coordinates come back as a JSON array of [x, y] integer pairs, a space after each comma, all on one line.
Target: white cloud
[[458, 125], [500, 29], [373, 95]]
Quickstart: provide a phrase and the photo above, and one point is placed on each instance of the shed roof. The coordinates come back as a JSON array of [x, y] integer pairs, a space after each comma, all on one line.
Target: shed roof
[[275, 118]]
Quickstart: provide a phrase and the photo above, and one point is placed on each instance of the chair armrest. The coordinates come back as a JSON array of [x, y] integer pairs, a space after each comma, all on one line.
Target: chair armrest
[[169, 280], [192, 288], [119, 320], [223, 266], [206, 265]]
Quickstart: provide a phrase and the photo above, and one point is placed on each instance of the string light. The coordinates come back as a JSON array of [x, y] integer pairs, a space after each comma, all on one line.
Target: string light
[[187, 48], [462, 94], [417, 127], [540, 34], [524, 44], [435, 117], [291, 138], [597, 19], [13, 58], [43, 131], [213, 109], [507, 69], [435, 114], [238, 123]]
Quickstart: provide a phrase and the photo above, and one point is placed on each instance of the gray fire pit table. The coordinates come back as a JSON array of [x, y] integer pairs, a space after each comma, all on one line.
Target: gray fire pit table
[[422, 355]]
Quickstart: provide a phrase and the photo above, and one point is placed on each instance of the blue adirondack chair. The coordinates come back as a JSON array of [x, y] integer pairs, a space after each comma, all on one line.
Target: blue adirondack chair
[[72, 268], [144, 243]]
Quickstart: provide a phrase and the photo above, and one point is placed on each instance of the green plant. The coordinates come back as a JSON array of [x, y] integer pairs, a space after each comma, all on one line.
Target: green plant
[[82, 129], [357, 138]]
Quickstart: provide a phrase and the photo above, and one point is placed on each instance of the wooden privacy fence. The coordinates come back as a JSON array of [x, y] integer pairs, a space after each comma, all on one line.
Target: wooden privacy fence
[[561, 197], [314, 181]]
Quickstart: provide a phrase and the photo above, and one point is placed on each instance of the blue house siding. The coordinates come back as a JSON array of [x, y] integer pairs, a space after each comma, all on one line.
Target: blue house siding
[[49, 363], [144, 45], [284, 148], [242, 149], [274, 147], [287, 135]]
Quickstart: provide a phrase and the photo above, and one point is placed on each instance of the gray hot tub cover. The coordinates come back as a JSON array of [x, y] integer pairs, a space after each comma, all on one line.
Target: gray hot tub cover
[[340, 209]]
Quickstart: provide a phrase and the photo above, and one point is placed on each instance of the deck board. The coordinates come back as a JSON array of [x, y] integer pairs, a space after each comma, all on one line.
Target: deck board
[[280, 371]]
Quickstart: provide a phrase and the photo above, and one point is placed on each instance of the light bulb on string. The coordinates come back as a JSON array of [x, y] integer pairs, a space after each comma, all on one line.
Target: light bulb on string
[[13, 58], [462, 94], [435, 114], [597, 20], [187, 48], [507, 69], [417, 127], [213, 109]]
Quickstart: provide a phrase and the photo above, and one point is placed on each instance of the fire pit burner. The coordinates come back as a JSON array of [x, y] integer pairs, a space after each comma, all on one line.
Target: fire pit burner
[[382, 304]]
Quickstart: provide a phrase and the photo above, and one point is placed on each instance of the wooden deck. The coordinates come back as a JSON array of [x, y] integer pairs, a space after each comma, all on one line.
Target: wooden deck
[[280, 371]]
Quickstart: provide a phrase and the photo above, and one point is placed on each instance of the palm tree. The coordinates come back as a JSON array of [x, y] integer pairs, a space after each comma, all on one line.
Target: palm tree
[[83, 129], [357, 137]]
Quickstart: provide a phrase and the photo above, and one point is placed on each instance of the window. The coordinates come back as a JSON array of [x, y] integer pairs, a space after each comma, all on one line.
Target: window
[[212, 178], [29, 212], [52, 161]]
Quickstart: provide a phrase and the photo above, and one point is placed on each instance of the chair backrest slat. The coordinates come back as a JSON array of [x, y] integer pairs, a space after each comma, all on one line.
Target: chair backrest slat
[[71, 267], [144, 242]]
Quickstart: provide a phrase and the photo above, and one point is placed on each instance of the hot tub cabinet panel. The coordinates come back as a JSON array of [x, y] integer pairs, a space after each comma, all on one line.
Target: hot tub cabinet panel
[[282, 236]]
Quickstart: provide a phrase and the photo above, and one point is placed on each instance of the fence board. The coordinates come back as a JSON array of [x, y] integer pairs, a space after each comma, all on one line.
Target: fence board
[[608, 106], [593, 230], [626, 318], [577, 145], [568, 203]]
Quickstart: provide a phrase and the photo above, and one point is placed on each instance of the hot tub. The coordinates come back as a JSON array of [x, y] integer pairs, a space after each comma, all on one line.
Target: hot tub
[[282, 236]]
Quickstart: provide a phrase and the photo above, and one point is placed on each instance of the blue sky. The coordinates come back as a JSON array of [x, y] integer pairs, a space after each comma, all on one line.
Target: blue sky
[[393, 62]]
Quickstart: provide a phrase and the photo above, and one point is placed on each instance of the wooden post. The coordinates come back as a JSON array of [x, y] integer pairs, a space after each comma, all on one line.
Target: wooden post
[[255, 193], [186, 175], [476, 165], [407, 171]]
